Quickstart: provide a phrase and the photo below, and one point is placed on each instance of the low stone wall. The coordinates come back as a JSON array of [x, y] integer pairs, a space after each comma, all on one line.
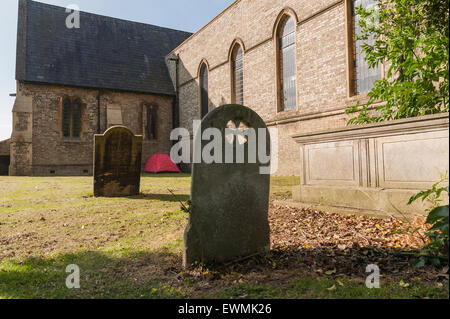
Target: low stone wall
[[375, 167], [63, 170]]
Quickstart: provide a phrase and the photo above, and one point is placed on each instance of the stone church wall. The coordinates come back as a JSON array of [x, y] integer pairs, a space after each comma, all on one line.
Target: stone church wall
[[49, 153], [4, 157], [321, 57], [4, 147]]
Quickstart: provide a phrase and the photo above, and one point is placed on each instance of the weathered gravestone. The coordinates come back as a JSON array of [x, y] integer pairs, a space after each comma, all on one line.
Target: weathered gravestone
[[117, 163], [229, 210]]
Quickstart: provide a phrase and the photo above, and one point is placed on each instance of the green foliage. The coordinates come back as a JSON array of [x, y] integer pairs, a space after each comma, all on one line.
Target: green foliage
[[432, 195], [438, 233], [412, 38]]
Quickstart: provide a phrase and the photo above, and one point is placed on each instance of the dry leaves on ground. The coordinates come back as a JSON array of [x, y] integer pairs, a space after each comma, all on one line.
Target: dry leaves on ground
[[315, 243]]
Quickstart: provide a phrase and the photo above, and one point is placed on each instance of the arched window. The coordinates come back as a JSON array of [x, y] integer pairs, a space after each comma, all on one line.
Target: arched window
[[204, 98], [238, 75], [76, 118], [71, 118], [287, 65], [363, 75], [66, 117], [151, 127]]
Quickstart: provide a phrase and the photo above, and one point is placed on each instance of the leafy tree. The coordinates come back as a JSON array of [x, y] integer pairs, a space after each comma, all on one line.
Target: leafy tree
[[412, 38]]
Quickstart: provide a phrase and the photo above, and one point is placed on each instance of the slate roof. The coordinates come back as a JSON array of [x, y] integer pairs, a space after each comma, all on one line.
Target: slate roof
[[104, 52]]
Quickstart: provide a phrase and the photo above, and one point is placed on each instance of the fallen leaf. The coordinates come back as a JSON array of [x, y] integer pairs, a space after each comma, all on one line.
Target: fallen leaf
[[331, 272], [332, 288]]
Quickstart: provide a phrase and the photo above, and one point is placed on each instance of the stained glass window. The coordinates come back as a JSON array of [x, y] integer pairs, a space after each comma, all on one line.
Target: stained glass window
[[288, 65], [238, 75], [154, 122], [204, 98], [151, 126], [66, 117], [76, 118], [71, 118], [364, 76]]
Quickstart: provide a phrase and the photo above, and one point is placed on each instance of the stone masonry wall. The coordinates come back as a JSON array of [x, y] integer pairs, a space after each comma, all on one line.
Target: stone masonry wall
[[4, 157], [321, 57], [52, 154], [4, 147]]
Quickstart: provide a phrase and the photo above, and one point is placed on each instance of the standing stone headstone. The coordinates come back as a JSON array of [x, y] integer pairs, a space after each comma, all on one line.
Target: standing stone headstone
[[229, 201], [117, 163]]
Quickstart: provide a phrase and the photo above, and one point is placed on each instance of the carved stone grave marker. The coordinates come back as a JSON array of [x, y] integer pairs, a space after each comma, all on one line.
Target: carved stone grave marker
[[117, 163], [229, 213]]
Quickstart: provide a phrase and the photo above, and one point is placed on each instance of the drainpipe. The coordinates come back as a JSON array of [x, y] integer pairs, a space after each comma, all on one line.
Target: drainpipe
[[99, 128], [176, 102]]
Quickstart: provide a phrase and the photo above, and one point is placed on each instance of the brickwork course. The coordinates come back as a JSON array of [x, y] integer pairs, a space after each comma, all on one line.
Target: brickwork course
[[322, 67], [130, 79]]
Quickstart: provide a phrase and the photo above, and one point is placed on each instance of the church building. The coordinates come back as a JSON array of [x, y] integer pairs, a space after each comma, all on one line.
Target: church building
[[295, 62], [73, 83]]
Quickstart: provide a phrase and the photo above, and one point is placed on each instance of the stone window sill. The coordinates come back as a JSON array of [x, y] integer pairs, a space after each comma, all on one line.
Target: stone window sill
[[363, 98], [312, 112], [71, 140], [151, 141], [287, 113]]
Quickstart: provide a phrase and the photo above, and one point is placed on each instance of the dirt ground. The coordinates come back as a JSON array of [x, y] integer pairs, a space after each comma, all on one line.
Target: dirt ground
[[132, 247]]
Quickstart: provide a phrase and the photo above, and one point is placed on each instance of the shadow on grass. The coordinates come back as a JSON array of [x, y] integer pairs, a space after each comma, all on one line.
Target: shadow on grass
[[102, 275], [166, 175], [163, 197], [324, 272]]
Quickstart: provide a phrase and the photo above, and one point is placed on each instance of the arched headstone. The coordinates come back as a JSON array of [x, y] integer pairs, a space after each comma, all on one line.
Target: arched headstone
[[117, 163], [229, 210]]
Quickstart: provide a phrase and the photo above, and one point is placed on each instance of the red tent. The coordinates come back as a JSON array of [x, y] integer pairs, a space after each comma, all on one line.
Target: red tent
[[159, 163]]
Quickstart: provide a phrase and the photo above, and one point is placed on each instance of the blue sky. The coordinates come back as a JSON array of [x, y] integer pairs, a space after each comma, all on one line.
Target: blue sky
[[186, 15]]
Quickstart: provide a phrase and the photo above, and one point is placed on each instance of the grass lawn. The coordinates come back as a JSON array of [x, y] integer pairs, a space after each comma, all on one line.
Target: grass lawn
[[131, 248]]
